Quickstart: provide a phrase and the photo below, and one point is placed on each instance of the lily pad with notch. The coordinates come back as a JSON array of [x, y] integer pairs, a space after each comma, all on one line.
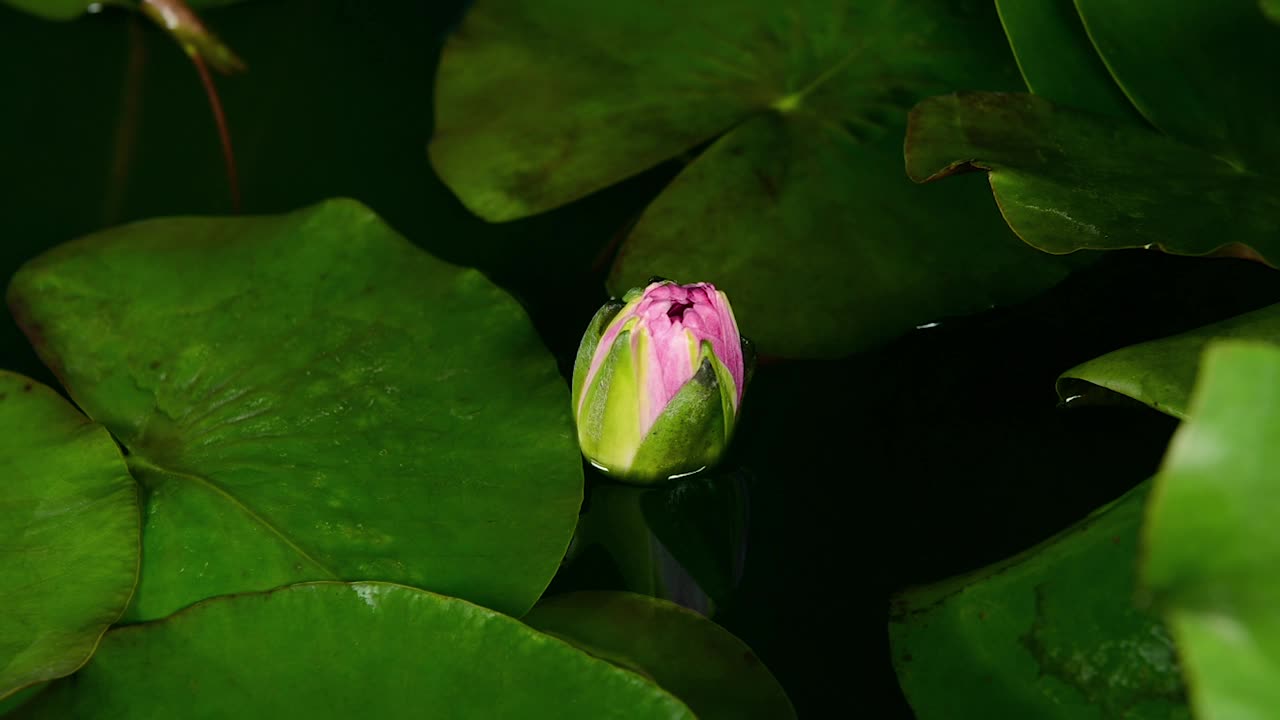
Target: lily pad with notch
[[797, 207], [307, 397]]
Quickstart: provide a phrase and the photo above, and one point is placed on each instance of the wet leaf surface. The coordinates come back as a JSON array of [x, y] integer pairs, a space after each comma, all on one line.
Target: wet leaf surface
[[345, 650], [1051, 633], [308, 396]]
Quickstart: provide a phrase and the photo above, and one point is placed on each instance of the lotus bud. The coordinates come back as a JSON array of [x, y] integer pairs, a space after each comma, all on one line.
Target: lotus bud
[[658, 382]]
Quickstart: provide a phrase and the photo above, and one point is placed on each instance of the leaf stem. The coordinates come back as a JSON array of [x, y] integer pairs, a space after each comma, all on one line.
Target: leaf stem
[[224, 134]]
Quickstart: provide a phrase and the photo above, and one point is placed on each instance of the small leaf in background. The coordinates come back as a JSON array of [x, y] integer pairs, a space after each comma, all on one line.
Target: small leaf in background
[[798, 195], [68, 534], [1067, 180], [1161, 373], [1201, 72], [332, 649], [1050, 633], [711, 671], [307, 397], [1211, 540], [1270, 8], [1057, 60]]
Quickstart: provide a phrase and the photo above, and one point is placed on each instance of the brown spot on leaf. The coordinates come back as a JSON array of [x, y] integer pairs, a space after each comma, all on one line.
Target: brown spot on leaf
[[26, 388]]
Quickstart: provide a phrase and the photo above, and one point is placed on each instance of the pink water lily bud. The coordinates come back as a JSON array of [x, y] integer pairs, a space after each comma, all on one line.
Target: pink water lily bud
[[658, 382]]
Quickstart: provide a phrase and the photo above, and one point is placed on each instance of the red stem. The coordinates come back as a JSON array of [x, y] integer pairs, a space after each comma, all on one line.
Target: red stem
[[224, 135]]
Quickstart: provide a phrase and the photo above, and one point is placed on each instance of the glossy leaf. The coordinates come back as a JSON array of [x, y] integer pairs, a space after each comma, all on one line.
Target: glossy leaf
[[1051, 633], [1057, 59], [1211, 538], [307, 396], [1201, 72], [68, 534], [799, 194], [1161, 373], [347, 650], [1067, 180], [713, 672]]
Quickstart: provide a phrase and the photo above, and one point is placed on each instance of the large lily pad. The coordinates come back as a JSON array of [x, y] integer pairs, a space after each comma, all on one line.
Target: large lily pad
[[1202, 72], [713, 672], [68, 538], [1161, 373], [1067, 180], [799, 195], [307, 396], [337, 650], [1211, 538], [1057, 59], [1051, 633]]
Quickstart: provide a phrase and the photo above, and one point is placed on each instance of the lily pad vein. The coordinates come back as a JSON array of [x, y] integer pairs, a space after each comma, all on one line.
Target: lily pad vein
[[138, 463]]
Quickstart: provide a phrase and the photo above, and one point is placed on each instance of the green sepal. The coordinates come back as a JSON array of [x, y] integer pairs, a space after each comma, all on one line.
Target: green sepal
[[590, 341], [609, 424], [728, 390], [693, 431]]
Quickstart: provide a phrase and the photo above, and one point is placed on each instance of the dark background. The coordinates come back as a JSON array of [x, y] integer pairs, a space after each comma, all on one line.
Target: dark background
[[935, 455]]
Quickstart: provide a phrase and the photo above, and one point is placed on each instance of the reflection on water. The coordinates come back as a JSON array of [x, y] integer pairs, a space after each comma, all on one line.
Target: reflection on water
[[684, 541]]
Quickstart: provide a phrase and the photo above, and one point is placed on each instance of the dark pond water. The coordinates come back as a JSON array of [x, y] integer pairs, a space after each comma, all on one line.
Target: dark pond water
[[849, 479]]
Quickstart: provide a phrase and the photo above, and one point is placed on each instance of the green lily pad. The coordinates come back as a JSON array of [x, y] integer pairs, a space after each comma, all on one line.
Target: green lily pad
[[337, 650], [689, 656], [799, 195], [1058, 60], [1161, 373], [307, 397], [1067, 180], [1201, 72], [1211, 540], [69, 538], [1051, 633]]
